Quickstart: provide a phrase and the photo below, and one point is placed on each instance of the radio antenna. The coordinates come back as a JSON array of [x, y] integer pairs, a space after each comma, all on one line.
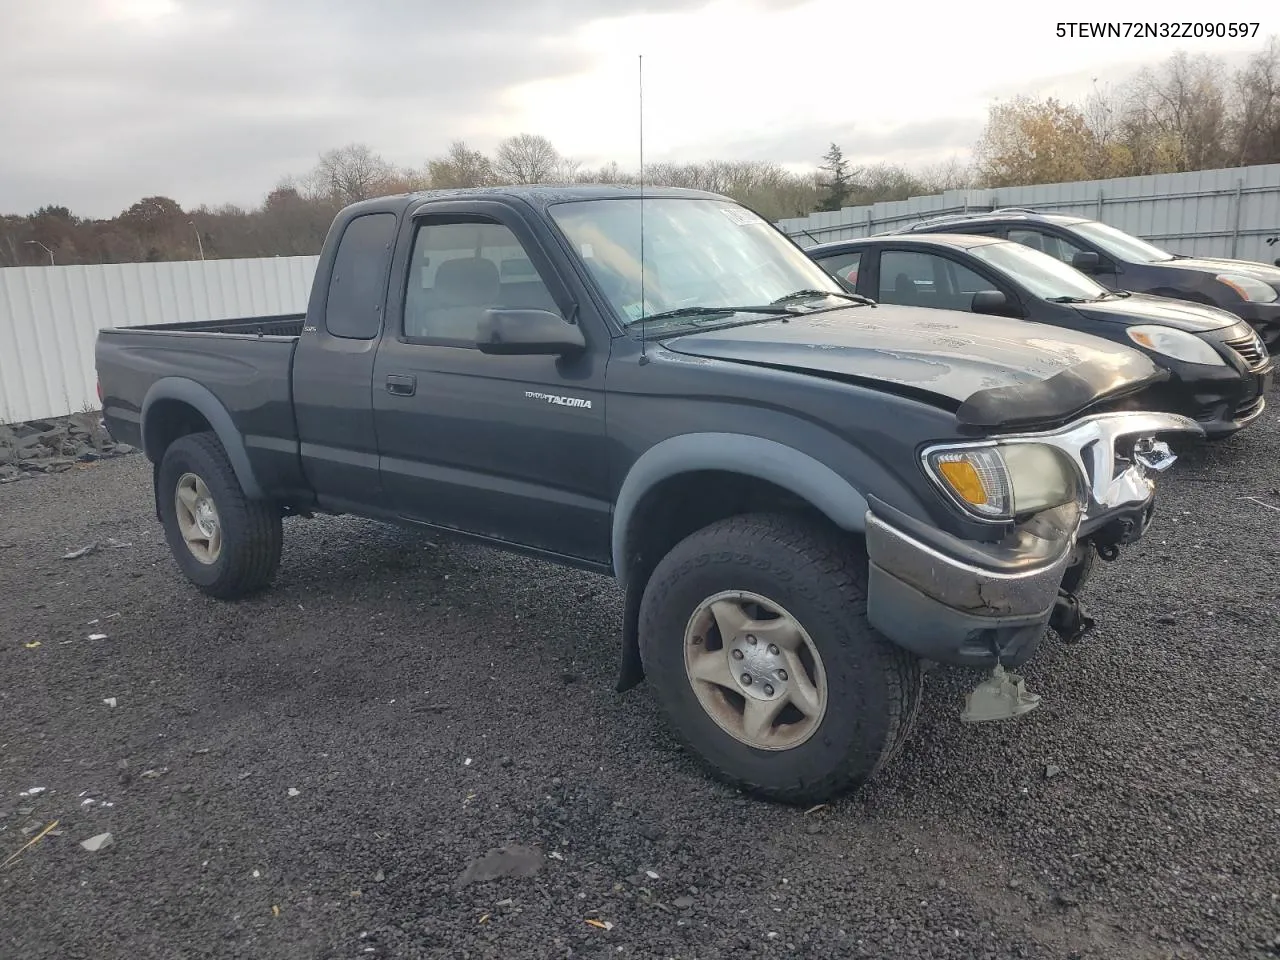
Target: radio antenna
[[643, 355]]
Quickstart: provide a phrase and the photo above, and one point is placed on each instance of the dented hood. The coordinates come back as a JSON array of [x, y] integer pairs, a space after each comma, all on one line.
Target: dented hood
[[992, 370]]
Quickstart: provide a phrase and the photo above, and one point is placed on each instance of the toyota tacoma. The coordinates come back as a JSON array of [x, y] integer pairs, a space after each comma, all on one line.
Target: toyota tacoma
[[804, 496]]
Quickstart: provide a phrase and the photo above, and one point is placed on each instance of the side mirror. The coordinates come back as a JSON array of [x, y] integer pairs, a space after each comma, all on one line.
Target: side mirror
[[517, 332], [1086, 261], [993, 303]]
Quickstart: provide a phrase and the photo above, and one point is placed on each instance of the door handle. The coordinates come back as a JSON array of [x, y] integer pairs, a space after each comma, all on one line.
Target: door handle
[[401, 386]]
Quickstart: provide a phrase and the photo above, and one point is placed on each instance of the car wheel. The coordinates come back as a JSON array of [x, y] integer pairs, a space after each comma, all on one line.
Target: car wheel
[[754, 634], [226, 544], [1080, 572]]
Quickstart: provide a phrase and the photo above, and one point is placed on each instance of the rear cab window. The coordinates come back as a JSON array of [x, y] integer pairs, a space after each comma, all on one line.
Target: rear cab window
[[358, 282]]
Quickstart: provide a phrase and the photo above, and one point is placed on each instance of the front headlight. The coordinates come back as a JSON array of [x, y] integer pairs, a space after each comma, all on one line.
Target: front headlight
[[1177, 344], [1249, 288], [1004, 481]]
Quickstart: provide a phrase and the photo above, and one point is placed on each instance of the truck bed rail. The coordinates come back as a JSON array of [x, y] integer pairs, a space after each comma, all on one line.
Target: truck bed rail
[[279, 325]]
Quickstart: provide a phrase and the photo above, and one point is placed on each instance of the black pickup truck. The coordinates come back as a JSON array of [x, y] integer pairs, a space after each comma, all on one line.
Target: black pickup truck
[[804, 495]]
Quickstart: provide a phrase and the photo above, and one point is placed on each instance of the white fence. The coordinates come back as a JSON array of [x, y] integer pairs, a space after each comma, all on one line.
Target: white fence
[[1209, 213], [50, 317]]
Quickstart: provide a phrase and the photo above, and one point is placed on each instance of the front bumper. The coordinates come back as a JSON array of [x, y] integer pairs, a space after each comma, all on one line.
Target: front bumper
[[1222, 400], [1263, 317], [974, 604]]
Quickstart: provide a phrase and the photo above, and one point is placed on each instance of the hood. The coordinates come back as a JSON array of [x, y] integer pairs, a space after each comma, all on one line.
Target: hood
[[996, 371], [1250, 268], [1140, 308]]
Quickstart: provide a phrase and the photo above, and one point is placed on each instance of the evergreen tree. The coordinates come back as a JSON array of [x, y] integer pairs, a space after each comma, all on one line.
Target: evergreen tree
[[837, 184]]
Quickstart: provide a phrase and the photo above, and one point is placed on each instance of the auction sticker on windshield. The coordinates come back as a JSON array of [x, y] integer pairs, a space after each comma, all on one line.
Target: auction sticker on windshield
[[740, 215]]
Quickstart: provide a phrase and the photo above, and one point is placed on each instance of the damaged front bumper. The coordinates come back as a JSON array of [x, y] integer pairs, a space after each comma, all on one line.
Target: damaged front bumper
[[976, 604]]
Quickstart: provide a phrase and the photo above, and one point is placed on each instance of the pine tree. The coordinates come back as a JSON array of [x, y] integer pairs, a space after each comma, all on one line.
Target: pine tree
[[837, 184]]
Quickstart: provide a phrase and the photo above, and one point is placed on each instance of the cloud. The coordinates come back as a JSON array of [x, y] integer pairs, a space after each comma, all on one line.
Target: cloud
[[212, 102], [914, 142]]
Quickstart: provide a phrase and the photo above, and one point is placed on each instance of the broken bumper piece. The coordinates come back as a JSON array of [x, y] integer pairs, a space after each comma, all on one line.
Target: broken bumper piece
[[957, 603]]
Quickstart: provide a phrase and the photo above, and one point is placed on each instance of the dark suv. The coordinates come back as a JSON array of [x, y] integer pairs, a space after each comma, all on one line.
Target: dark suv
[[1219, 370], [1120, 261]]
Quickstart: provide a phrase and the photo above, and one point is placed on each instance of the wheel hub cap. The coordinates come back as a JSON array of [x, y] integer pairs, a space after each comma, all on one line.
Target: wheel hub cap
[[197, 517], [755, 670], [206, 517], [760, 669]]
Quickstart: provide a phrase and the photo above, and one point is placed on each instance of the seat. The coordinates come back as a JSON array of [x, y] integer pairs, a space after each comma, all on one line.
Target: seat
[[464, 288], [904, 290]]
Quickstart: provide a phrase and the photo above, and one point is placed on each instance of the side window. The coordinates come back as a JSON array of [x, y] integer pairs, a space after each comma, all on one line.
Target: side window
[[460, 269], [1055, 246], [908, 278], [966, 282], [357, 286], [844, 267], [928, 280]]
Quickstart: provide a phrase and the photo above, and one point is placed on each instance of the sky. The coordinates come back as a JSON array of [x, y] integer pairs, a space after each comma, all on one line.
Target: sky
[[214, 101]]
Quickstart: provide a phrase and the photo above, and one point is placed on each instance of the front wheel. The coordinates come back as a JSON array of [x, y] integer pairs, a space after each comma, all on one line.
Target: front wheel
[[226, 544], [754, 634]]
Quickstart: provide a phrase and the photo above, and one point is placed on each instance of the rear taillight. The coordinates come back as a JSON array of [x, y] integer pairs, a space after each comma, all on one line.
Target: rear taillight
[[99, 386]]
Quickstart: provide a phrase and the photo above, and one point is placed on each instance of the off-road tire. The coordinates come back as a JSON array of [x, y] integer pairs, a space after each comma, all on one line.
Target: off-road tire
[[820, 577], [1077, 577], [252, 533]]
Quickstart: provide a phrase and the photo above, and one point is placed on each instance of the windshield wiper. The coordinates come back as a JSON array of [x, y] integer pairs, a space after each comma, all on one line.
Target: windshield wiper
[[1071, 299], [809, 294], [712, 312]]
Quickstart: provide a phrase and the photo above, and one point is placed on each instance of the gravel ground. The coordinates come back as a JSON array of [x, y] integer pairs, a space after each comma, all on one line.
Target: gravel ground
[[307, 775]]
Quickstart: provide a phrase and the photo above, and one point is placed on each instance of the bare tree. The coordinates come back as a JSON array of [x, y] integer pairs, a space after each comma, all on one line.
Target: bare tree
[[951, 174], [1257, 107], [1177, 115], [350, 174], [460, 167], [526, 158]]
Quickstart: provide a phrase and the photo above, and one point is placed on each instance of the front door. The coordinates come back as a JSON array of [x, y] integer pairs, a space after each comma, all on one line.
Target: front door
[[505, 447]]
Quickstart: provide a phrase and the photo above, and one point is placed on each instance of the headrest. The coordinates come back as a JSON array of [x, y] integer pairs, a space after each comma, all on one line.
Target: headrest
[[467, 281]]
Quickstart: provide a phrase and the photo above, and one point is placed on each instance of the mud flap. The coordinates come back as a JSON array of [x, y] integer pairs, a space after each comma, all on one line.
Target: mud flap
[[631, 668]]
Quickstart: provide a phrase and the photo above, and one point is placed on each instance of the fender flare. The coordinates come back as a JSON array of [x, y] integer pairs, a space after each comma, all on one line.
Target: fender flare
[[202, 399], [767, 460]]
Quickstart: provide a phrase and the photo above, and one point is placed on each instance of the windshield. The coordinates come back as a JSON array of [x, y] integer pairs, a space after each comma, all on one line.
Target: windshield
[[1045, 276], [1121, 245], [698, 255]]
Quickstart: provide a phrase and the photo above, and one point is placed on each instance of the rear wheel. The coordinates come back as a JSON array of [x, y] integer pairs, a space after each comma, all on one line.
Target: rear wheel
[[226, 544], [754, 633]]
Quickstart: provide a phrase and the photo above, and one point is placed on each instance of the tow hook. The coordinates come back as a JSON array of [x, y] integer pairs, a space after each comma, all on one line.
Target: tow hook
[[1069, 619]]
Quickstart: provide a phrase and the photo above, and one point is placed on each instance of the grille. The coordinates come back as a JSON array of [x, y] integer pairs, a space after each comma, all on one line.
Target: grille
[[1250, 349], [1253, 407]]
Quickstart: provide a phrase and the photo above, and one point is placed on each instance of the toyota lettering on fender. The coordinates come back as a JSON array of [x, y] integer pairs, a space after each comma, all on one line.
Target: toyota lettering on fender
[[559, 401]]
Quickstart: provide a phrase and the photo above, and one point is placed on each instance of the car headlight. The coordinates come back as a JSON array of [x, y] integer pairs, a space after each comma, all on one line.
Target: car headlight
[[1004, 481], [1249, 288], [1177, 344]]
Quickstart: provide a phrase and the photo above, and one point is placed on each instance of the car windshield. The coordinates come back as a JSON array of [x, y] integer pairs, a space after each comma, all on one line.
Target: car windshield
[[701, 257], [1121, 245], [1046, 277]]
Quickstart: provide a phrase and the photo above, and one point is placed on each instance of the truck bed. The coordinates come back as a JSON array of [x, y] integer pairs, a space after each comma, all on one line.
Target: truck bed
[[243, 366]]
